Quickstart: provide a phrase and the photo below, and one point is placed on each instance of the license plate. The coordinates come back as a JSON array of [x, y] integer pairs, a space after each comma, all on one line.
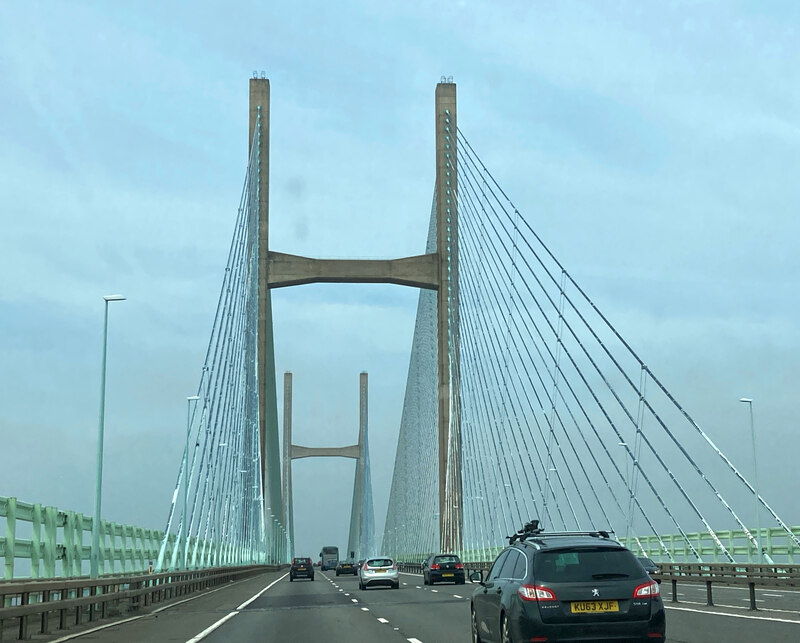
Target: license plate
[[380, 571], [585, 607], [447, 575]]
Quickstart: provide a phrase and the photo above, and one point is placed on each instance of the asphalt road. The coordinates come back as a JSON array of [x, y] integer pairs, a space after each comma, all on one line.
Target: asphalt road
[[269, 608]]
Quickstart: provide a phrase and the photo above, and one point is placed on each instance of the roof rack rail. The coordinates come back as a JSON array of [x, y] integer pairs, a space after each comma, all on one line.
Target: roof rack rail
[[532, 528]]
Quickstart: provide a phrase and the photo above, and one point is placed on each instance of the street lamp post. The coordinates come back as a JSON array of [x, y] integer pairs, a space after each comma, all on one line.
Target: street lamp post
[[94, 559], [628, 493], [184, 523], [749, 402]]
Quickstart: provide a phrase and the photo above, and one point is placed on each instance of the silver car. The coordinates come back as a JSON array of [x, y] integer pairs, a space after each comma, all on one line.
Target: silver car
[[381, 570]]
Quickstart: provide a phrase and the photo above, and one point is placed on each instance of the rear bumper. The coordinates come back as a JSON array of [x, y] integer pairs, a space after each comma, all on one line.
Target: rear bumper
[[524, 629], [376, 580], [456, 576]]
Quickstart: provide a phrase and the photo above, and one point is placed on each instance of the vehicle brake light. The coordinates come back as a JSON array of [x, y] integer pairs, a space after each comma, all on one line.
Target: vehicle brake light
[[459, 566], [536, 593], [435, 566], [647, 590], [394, 565]]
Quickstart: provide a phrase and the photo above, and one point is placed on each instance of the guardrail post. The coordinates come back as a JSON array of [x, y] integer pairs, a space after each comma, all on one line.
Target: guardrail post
[[23, 620], [708, 593], [674, 590], [45, 625], [752, 587], [62, 612], [78, 591]]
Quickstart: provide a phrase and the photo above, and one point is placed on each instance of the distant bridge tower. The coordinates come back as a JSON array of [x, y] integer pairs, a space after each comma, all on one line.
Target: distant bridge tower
[[362, 521], [436, 271]]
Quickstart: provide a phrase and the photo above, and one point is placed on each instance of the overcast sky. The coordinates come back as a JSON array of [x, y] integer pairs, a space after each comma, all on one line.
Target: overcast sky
[[655, 146]]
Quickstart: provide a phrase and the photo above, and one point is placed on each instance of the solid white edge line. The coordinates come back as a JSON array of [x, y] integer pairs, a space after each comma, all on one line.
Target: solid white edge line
[[250, 600], [69, 637], [761, 610], [230, 615], [76, 635], [211, 628], [746, 616]]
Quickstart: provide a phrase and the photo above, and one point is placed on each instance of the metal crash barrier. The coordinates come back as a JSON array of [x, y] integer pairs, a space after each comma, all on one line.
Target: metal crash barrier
[[41, 605]]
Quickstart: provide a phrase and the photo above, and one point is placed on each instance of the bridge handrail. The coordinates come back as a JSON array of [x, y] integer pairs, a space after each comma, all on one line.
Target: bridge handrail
[[59, 543]]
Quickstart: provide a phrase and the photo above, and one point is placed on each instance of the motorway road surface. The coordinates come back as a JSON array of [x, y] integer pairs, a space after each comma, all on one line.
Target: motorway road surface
[[269, 608]]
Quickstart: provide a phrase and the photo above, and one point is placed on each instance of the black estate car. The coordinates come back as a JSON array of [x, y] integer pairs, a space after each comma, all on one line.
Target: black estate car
[[566, 586], [442, 567], [301, 568]]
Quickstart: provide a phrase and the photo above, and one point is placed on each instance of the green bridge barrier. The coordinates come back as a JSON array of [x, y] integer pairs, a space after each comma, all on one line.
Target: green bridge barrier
[[776, 542], [46, 542]]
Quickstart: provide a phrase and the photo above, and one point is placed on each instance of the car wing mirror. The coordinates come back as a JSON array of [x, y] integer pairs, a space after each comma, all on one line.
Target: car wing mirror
[[476, 577]]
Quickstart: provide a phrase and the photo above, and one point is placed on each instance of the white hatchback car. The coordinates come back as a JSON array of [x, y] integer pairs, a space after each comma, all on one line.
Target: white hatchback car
[[378, 571]]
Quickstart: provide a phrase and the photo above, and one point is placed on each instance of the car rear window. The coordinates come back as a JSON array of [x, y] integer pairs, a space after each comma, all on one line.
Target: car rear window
[[584, 564], [379, 562], [446, 559]]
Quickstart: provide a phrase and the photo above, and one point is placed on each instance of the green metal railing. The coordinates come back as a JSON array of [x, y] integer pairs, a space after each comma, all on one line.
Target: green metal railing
[[46, 542], [775, 541]]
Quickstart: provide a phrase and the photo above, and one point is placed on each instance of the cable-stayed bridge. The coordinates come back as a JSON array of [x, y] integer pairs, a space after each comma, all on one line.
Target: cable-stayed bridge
[[522, 400]]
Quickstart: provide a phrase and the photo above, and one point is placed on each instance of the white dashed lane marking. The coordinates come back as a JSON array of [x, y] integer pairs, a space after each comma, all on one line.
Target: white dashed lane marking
[[355, 600], [365, 609], [382, 620]]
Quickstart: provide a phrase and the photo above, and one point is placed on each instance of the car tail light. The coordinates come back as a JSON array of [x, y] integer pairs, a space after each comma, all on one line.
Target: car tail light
[[459, 566], [435, 566], [647, 590], [394, 565], [536, 593]]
